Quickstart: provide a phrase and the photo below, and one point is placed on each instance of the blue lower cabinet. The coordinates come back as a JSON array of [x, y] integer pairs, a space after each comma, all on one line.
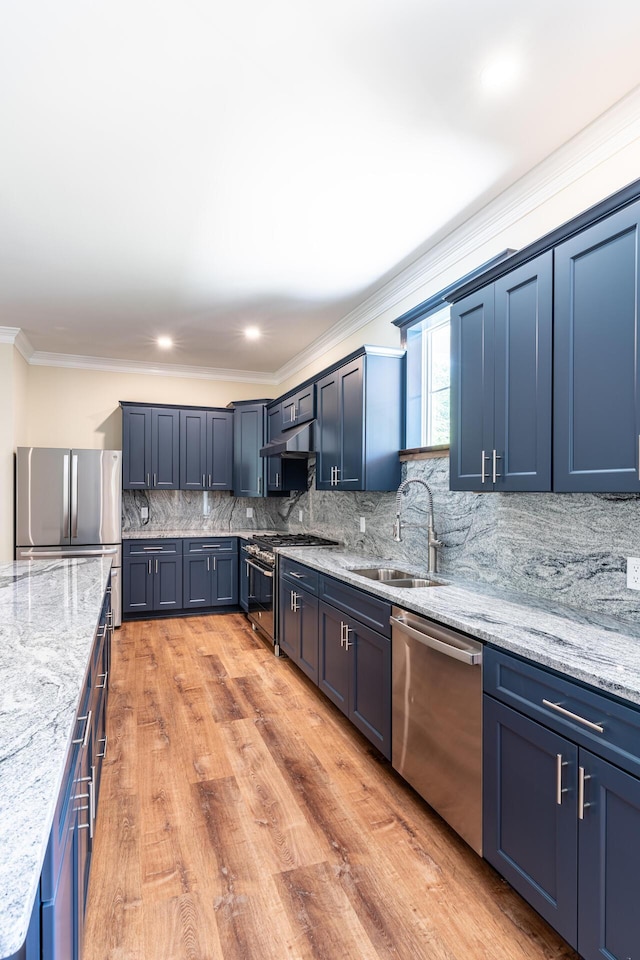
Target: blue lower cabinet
[[530, 838], [210, 575], [59, 915], [354, 670], [298, 635], [167, 583], [609, 854]]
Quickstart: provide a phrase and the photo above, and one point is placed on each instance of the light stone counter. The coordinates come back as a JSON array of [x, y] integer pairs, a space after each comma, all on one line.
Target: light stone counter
[[146, 534], [599, 650], [49, 611]]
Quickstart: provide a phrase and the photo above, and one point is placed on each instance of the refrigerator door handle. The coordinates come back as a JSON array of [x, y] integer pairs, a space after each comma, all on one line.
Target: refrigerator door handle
[[65, 495], [74, 495]]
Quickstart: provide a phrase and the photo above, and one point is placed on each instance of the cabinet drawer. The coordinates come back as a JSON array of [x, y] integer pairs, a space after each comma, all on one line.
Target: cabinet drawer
[[145, 548], [534, 691], [211, 545], [297, 573], [371, 611]]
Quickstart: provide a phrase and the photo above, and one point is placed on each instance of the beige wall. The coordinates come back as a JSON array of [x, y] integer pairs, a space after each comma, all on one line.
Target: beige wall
[[13, 404], [578, 193], [80, 408]]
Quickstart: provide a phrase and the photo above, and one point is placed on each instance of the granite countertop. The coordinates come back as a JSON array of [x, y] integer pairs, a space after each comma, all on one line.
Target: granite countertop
[[49, 611], [599, 650], [149, 534]]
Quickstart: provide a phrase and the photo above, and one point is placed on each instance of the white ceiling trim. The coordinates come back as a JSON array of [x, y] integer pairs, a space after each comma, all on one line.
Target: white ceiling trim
[[602, 139], [43, 359]]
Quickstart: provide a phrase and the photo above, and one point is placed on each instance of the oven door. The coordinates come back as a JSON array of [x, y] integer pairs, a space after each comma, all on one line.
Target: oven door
[[260, 598]]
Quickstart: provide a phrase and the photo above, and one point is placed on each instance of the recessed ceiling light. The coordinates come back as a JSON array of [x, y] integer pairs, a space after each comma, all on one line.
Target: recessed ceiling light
[[165, 343], [501, 74], [252, 333]]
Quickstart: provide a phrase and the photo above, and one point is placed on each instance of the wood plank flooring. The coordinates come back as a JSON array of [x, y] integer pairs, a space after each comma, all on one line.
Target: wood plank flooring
[[242, 817]]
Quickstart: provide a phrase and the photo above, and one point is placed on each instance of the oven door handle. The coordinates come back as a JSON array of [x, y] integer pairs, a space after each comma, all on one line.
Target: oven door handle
[[265, 573]]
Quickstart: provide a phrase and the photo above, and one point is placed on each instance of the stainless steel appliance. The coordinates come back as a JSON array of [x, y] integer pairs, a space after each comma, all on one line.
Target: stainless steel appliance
[[437, 719], [261, 566], [69, 504]]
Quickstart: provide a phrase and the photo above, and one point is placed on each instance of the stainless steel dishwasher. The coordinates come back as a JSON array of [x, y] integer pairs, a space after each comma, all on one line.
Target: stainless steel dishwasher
[[437, 719]]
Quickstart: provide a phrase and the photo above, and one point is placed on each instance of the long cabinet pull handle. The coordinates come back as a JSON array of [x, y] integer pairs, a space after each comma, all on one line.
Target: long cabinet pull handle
[[573, 716], [156, 564], [104, 749], [298, 576], [638, 456], [149, 567], [582, 778], [84, 739], [559, 788], [495, 459], [210, 484], [65, 495], [148, 479], [203, 483], [483, 476]]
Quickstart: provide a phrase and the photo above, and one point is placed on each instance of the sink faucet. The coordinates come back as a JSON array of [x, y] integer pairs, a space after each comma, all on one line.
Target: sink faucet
[[433, 541]]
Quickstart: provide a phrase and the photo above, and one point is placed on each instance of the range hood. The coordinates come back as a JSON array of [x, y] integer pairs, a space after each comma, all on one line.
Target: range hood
[[294, 443]]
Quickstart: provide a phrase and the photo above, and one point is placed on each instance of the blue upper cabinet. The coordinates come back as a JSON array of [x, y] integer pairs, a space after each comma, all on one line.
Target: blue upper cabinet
[[501, 363], [206, 449], [249, 470], [360, 422], [150, 447], [597, 355], [299, 408]]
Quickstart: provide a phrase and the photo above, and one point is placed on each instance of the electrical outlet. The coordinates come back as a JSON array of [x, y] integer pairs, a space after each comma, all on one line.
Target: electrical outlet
[[249, 513], [363, 525], [300, 515], [633, 573], [144, 513]]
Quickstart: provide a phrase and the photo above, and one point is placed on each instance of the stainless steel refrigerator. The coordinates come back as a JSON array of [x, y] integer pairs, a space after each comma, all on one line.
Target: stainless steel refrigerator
[[69, 504]]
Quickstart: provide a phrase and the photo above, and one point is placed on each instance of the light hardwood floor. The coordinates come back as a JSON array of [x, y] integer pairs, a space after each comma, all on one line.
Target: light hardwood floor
[[242, 817]]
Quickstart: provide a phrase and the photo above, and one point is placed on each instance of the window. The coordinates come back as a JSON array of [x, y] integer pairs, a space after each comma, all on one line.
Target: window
[[427, 346]]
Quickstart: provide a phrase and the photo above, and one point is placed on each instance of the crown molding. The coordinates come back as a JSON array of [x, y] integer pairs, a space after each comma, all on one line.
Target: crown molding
[[19, 339], [104, 365], [598, 142]]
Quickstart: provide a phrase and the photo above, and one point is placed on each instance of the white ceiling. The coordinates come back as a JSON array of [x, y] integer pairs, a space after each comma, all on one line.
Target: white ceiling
[[189, 168]]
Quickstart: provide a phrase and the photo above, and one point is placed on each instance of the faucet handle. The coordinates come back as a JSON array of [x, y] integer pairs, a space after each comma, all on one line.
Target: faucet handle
[[397, 527]]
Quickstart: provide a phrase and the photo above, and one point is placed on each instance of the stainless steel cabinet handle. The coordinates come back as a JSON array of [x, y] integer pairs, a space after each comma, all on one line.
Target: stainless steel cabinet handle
[[298, 576], [104, 749], [214, 564], [210, 484], [277, 480], [153, 549], [154, 479], [208, 567], [582, 806], [149, 569], [203, 483], [85, 738], [342, 626], [259, 484], [295, 597], [57, 554], [559, 788], [495, 465], [103, 676], [347, 630], [156, 564], [483, 477], [211, 546], [148, 479], [337, 469], [470, 657], [573, 716]]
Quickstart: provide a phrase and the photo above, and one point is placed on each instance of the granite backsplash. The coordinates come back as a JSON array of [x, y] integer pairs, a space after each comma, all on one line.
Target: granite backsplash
[[568, 548]]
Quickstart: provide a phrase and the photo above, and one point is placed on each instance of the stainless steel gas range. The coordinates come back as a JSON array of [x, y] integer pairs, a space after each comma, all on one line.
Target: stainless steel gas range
[[259, 570]]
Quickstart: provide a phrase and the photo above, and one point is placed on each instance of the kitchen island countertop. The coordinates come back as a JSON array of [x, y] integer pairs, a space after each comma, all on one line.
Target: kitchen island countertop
[[596, 649], [49, 611]]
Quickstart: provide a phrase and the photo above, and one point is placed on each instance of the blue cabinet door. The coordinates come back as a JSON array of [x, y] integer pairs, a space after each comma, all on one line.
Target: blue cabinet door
[[137, 584], [472, 391], [333, 661], [219, 450], [248, 465], [523, 358], [370, 685], [167, 583], [58, 914], [299, 408], [609, 854], [597, 357], [329, 431], [224, 573], [289, 625], [136, 448], [528, 836], [165, 448], [307, 613], [197, 581], [193, 449], [350, 474]]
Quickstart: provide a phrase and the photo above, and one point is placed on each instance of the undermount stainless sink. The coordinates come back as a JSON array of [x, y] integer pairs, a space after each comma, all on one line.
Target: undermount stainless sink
[[382, 573], [395, 578]]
